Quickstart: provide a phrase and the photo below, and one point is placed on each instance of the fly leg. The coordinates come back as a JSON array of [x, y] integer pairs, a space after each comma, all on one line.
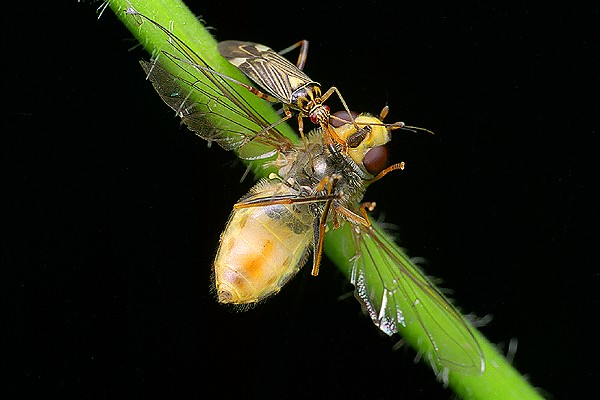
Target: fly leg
[[282, 199], [321, 223], [327, 182], [389, 169], [361, 218]]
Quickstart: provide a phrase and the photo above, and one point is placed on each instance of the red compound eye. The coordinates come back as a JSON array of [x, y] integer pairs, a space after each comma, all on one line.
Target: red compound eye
[[341, 115], [376, 159]]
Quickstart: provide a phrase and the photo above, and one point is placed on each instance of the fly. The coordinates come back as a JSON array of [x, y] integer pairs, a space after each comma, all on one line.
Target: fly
[[318, 183]]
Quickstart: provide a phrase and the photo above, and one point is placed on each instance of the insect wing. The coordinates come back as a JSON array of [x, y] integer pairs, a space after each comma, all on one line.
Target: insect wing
[[273, 72], [207, 103], [174, 90], [396, 294]]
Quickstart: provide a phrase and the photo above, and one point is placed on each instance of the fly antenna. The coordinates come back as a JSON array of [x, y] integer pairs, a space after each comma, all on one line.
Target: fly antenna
[[416, 128], [400, 125]]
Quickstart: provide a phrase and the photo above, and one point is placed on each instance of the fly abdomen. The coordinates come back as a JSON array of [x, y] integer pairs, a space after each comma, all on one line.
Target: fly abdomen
[[261, 248]]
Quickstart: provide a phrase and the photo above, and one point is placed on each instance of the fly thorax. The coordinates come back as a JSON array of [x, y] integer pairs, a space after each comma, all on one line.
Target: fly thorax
[[321, 168]]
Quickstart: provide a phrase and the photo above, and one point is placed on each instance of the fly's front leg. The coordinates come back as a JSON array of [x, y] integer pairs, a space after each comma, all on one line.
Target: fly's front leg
[[389, 169], [329, 182]]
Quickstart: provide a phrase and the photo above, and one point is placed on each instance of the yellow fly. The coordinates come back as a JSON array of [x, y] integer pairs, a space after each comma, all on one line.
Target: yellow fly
[[318, 184], [273, 227]]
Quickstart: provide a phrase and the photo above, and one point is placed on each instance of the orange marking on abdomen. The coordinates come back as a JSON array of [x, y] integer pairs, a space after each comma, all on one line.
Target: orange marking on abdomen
[[255, 264]]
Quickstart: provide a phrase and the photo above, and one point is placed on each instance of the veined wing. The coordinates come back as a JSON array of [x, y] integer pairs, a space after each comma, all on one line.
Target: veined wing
[[396, 294], [273, 72], [207, 102]]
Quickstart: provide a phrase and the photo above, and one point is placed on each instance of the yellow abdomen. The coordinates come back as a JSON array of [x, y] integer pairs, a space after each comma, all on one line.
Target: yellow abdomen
[[261, 248]]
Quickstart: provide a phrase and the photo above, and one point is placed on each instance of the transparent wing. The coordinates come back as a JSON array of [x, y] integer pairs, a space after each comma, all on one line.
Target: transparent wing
[[396, 294], [208, 103]]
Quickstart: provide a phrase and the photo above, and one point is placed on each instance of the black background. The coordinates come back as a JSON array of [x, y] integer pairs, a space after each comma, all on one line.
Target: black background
[[111, 212]]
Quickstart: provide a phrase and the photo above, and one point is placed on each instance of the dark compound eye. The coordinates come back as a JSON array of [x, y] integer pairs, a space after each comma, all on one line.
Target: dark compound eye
[[343, 116], [376, 159]]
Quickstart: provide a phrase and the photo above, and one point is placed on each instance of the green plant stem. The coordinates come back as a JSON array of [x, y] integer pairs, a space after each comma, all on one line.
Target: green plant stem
[[500, 380]]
